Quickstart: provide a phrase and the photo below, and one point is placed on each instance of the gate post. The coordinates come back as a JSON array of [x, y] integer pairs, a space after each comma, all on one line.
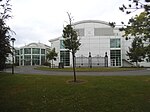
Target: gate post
[[90, 60], [106, 60]]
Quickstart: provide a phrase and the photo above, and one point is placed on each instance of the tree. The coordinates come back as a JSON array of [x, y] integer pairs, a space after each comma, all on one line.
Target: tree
[[71, 41], [4, 32], [138, 26], [135, 5], [136, 52], [51, 55], [144, 17], [147, 51]]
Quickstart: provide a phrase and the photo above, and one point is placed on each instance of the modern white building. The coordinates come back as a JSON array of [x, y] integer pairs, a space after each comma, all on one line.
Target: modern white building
[[97, 39], [31, 54]]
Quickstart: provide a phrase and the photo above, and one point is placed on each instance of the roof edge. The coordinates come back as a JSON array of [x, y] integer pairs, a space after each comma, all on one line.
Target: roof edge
[[90, 21], [38, 44], [51, 40]]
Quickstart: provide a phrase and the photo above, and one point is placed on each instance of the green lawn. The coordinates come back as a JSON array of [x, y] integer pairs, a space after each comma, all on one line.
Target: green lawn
[[101, 69], [41, 93]]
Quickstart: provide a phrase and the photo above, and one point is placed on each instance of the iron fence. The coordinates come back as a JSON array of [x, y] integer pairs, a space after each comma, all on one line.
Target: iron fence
[[96, 61]]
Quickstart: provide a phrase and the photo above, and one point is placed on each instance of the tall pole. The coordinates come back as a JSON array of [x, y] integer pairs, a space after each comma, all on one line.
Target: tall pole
[[13, 40]]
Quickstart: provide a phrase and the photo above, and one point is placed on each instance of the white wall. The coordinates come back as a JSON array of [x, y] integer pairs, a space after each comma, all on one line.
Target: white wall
[[56, 44], [97, 45]]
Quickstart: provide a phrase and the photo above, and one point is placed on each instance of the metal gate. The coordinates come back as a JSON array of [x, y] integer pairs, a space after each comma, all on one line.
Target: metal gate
[[96, 61]]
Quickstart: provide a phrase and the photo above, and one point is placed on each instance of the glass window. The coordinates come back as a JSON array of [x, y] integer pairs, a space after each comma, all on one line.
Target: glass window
[[35, 59], [27, 50], [42, 51], [103, 32], [62, 46], [21, 51], [65, 57], [115, 43], [42, 60], [115, 57], [35, 51], [21, 60], [27, 60]]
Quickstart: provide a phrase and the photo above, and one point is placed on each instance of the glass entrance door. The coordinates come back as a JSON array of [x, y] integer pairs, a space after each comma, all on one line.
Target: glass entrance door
[[113, 62], [115, 57]]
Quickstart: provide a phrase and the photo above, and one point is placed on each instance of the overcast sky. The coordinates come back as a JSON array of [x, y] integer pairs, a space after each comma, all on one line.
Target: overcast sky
[[42, 20]]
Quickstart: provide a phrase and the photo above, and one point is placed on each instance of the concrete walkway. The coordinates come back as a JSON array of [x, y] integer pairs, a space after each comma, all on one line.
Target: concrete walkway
[[31, 70]]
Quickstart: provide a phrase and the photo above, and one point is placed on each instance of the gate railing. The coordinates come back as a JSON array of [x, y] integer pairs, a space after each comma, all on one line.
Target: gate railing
[[96, 61]]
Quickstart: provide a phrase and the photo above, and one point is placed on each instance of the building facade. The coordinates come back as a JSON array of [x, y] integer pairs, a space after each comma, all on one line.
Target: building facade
[[31, 54], [97, 39]]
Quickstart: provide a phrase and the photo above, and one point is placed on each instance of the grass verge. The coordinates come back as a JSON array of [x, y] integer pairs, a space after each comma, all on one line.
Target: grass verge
[[101, 69], [38, 93]]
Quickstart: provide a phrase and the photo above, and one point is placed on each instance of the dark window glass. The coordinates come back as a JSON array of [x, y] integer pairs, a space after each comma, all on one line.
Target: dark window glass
[[65, 57], [21, 51], [27, 60], [115, 57], [27, 50], [35, 59], [42, 51], [62, 46], [35, 51], [115, 43], [42, 60]]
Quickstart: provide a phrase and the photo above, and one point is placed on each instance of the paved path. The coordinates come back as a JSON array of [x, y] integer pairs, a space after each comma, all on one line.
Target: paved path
[[31, 70]]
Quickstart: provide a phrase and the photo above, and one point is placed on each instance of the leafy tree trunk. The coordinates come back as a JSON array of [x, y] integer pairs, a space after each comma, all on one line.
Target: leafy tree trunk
[[74, 70], [71, 42]]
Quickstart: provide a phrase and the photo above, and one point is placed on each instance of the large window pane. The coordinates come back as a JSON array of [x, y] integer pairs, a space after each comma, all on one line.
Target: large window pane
[[35, 51], [21, 60], [42, 51], [35, 59], [115, 43], [27, 50], [103, 32], [65, 57], [115, 57], [21, 51], [42, 60], [27, 60], [62, 46]]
